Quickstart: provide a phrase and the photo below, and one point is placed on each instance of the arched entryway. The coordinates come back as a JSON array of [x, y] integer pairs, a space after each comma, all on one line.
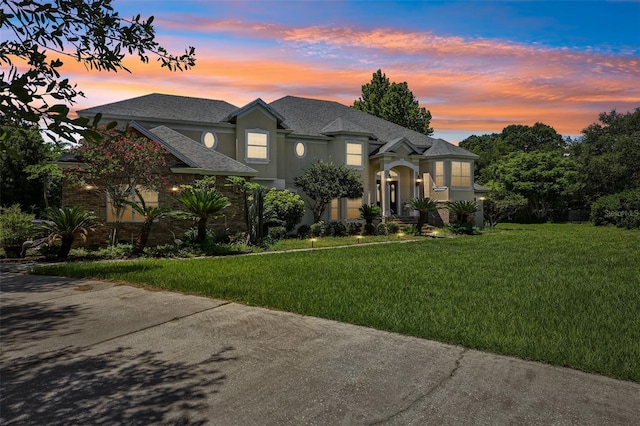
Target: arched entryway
[[396, 185]]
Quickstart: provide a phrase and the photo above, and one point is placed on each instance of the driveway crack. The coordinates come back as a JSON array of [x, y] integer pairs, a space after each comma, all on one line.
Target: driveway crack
[[429, 392]]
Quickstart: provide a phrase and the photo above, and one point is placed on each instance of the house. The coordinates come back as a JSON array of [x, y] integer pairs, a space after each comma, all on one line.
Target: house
[[273, 143]]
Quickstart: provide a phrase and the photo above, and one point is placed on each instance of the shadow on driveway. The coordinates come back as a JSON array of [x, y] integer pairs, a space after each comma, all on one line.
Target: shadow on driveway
[[119, 386]]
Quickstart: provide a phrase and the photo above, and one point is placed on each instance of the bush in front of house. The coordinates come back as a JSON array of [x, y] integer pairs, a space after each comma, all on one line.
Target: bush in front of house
[[354, 228], [621, 209], [382, 229], [16, 227], [393, 227]]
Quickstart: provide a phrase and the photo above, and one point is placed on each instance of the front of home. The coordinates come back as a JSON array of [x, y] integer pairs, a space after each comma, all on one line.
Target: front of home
[[273, 143]]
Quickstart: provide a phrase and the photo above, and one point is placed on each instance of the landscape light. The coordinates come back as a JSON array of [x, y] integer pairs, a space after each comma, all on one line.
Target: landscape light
[[313, 240]]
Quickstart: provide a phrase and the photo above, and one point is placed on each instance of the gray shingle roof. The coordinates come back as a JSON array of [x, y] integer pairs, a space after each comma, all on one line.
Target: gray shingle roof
[[442, 148], [341, 125], [310, 117], [166, 107], [197, 155]]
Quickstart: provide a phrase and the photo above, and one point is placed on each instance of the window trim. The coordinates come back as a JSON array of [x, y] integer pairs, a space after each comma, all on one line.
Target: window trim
[[246, 147], [215, 139], [295, 149], [346, 155], [461, 176]]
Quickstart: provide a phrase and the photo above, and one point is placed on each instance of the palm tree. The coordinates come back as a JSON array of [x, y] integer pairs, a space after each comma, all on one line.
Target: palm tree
[[369, 212], [424, 207], [200, 205], [150, 214], [463, 209], [66, 224]]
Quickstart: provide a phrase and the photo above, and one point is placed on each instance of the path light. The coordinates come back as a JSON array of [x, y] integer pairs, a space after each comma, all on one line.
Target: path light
[[359, 237], [175, 188], [400, 235], [89, 187], [313, 240]]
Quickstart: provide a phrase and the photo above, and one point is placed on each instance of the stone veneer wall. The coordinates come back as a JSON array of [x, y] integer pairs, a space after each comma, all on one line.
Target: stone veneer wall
[[162, 232]]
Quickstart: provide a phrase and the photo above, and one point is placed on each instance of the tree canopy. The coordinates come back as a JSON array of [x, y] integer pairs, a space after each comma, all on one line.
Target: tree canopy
[[39, 34], [609, 154], [26, 178], [393, 102], [513, 139], [326, 181]]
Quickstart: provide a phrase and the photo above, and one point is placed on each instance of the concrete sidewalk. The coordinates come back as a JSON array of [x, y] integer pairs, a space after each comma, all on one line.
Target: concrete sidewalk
[[87, 352]]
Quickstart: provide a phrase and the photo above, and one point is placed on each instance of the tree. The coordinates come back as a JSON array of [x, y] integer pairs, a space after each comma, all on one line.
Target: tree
[[503, 205], [285, 207], [548, 180], [424, 206], [369, 213], [393, 102], [150, 215], [68, 224], [39, 34], [326, 181], [537, 138], [201, 204], [26, 178], [608, 155], [463, 209], [513, 139], [116, 164]]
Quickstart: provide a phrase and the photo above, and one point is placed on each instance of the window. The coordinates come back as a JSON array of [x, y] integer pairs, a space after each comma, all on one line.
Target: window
[[209, 139], [353, 208], [354, 154], [257, 146], [300, 149], [439, 173], [460, 173], [335, 215], [128, 214]]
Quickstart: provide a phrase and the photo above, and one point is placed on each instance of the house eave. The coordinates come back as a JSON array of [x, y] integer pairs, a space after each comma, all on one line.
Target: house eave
[[208, 172]]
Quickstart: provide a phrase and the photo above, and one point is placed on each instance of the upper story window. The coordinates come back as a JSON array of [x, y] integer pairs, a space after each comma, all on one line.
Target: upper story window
[[439, 173], [300, 149], [355, 154], [209, 139], [461, 173], [257, 146]]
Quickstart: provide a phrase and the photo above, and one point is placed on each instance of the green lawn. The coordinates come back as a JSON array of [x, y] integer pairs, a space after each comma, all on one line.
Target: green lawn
[[564, 294]]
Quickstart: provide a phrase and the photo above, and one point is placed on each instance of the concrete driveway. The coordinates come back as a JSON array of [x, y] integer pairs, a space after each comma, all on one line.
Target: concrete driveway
[[87, 352]]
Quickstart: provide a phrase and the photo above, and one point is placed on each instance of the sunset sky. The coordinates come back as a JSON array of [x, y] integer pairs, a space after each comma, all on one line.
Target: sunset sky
[[477, 66]]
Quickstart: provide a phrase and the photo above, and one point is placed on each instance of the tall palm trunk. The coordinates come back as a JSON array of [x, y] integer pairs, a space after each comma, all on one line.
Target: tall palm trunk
[[202, 229], [141, 241]]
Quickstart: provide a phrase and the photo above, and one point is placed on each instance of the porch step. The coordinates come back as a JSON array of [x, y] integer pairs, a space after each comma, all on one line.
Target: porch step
[[403, 221]]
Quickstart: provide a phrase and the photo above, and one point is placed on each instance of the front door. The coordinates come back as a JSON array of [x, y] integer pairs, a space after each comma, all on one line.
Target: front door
[[393, 197]]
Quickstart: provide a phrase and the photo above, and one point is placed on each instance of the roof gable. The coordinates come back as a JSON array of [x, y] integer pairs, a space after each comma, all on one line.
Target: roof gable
[[393, 145], [258, 103]]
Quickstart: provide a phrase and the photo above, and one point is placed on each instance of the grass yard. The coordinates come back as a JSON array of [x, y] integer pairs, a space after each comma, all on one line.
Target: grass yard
[[564, 294]]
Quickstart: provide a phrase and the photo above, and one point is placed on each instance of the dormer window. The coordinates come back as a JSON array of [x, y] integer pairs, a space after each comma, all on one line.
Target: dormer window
[[354, 154], [257, 146]]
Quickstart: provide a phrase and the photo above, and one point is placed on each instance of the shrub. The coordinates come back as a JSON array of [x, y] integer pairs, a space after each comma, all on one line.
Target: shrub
[[304, 231], [285, 206], [318, 229], [338, 229], [461, 228], [393, 227], [277, 233], [354, 228], [370, 212], [617, 209], [16, 227], [410, 230], [382, 229]]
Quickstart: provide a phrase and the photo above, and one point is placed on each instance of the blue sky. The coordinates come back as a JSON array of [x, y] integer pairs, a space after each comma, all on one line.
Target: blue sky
[[477, 66]]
